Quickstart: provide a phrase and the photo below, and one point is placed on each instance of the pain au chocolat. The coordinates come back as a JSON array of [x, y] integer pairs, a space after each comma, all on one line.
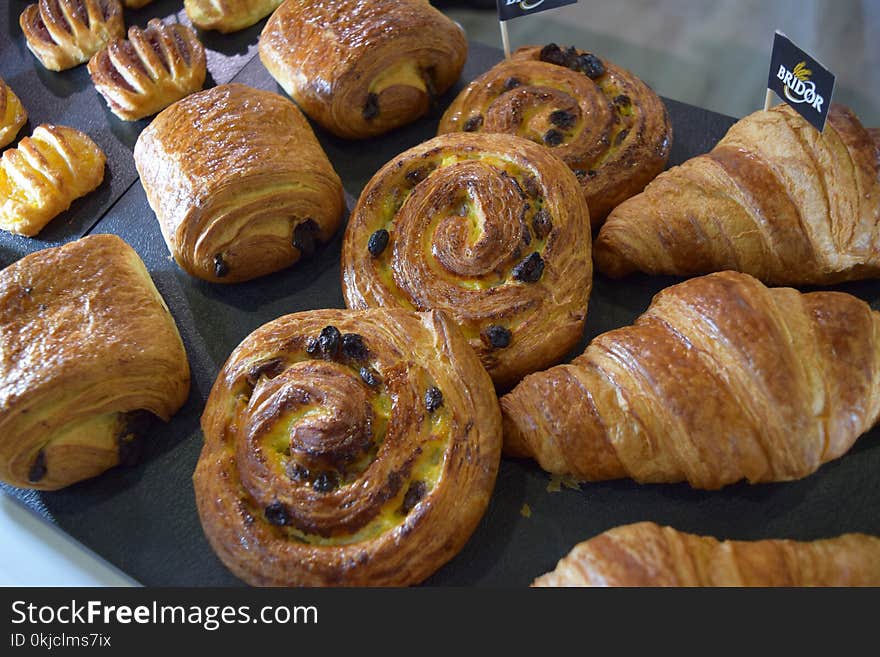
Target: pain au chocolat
[[89, 353], [347, 448], [239, 183], [361, 69]]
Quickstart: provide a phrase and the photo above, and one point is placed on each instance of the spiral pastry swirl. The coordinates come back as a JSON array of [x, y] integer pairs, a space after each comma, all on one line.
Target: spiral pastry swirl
[[65, 33], [361, 69], [491, 229], [155, 67], [603, 121], [347, 448], [12, 114]]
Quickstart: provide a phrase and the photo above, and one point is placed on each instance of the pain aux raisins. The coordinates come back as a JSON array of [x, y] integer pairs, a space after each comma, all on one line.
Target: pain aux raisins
[[622, 101], [277, 514], [530, 269], [413, 496], [497, 336], [511, 83], [623, 134], [590, 65], [377, 243], [371, 107], [325, 482], [370, 377], [353, 347], [433, 399], [328, 343], [474, 123], [553, 137], [305, 238], [542, 223], [221, 269], [563, 119]]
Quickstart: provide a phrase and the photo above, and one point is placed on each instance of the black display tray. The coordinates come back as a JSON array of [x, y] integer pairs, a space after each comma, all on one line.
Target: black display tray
[[143, 519]]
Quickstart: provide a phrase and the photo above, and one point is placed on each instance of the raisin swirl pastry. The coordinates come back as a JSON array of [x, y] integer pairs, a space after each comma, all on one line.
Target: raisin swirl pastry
[[88, 353], [347, 448], [361, 69], [238, 182], [65, 33], [155, 67], [491, 229], [228, 15], [42, 177], [603, 121], [12, 114]]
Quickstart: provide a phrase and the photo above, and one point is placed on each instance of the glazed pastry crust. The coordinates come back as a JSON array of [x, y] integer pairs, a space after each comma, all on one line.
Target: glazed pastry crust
[[86, 340], [361, 69], [464, 213], [775, 199], [645, 554], [65, 33], [44, 174], [721, 379], [12, 114], [228, 15], [238, 182], [602, 120], [152, 69], [364, 484]]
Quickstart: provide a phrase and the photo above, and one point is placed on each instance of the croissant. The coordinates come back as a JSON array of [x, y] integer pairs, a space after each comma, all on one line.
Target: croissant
[[228, 15], [721, 379], [239, 183], [645, 554], [603, 121], [89, 354], [42, 177], [361, 69], [775, 199], [12, 114], [492, 230], [347, 448], [65, 33], [154, 68]]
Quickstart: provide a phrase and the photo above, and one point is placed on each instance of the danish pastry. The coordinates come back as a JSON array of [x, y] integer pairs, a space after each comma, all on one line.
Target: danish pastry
[[89, 354], [238, 182], [152, 69], [12, 114], [42, 176], [228, 15], [347, 448], [602, 120], [361, 69], [493, 230], [65, 33]]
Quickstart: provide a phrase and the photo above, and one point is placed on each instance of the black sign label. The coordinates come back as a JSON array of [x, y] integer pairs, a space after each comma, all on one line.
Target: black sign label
[[800, 81], [508, 9]]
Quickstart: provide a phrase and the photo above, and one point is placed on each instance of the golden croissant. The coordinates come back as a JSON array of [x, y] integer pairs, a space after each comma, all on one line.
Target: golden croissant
[[601, 120], [721, 379], [12, 114], [775, 199], [228, 15], [89, 354], [42, 176], [361, 69], [645, 554], [347, 448], [155, 67], [65, 33]]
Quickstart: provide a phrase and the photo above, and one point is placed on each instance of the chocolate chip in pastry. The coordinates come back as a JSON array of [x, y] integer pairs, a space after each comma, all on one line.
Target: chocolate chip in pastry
[[347, 448], [65, 33], [44, 174], [228, 15], [155, 67], [361, 69], [603, 121], [491, 229], [239, 183], [12, 114], [89, 352]]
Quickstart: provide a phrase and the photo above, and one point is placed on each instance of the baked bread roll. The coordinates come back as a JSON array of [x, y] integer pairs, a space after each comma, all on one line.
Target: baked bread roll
[[12, 114], [347, 448], [492, 230], [721, 379], [775, 199], [645, 554], [41, 177], [228, 15], [89, 352], [361, 69], [152, 69], [603, 121], [65, 33], [239, 183]]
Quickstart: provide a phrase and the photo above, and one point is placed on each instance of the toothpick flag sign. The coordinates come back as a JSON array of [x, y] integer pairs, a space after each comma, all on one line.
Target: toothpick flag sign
[[508, 9], [800, 80]]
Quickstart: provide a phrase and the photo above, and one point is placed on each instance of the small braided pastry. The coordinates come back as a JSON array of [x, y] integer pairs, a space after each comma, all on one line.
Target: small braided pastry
[[65, 33], [152, 69], [12, 114]]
